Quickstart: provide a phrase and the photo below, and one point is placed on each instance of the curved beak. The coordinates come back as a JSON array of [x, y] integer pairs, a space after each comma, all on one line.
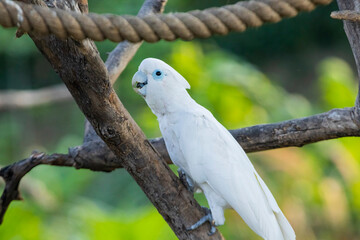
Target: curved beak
[[139, 81]]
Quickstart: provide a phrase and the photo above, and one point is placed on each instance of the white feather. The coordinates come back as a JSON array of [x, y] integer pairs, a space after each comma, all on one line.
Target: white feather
[[208, 153]]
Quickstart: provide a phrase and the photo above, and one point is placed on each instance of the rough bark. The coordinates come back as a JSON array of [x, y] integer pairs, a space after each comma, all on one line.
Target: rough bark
[[119, 58], [96, 156], [352, 30], [89, 84], [298, 132], [83, 72], [292, 133]]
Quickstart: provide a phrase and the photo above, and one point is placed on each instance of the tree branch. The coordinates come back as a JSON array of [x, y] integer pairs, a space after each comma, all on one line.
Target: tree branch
[[352, 30], [83, 72], [297, 132], [335, 123], [120, 57], [96, 156], [19, 99], [13, 174]]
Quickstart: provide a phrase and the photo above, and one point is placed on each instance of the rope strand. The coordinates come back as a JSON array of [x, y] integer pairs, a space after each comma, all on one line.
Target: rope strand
[[187, 26]]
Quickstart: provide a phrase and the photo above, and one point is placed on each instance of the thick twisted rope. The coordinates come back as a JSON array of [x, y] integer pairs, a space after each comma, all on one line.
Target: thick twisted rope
[[187, 26]]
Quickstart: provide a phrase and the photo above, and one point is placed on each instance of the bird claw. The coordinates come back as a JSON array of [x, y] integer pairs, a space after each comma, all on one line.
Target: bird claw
[[207, 218], [188, 183]]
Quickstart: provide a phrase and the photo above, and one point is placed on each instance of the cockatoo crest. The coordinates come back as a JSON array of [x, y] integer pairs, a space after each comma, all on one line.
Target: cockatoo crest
[[160, 85], [155, 71]]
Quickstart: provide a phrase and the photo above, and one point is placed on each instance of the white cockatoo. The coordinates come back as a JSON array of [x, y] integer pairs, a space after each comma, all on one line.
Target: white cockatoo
[[207, 153]]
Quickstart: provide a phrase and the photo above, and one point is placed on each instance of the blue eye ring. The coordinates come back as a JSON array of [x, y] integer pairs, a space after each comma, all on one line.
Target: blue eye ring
[[158, 74]]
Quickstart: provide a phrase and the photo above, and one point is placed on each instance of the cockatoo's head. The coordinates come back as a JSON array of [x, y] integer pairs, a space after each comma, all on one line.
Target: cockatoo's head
[[155, 78]]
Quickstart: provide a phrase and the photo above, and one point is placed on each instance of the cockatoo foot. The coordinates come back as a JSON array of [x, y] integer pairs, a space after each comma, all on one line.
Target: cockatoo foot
[[207, 218], [188, 182]]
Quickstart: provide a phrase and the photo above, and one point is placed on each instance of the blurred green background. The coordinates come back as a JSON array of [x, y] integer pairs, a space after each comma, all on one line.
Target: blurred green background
[[296, 68]]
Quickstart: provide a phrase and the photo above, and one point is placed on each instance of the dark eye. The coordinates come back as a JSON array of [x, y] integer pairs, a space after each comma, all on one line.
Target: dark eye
[[158, 75]]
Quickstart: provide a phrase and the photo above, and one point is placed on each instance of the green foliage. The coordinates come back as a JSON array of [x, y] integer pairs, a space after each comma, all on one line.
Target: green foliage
[[337, 83]]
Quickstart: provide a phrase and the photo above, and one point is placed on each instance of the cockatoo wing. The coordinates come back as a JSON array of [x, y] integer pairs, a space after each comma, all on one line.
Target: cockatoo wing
[[216, 158]]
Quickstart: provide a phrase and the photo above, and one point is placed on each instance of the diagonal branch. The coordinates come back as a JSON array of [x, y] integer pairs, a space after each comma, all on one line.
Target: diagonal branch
[[83, 72], [120, 57], [117, 61]]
